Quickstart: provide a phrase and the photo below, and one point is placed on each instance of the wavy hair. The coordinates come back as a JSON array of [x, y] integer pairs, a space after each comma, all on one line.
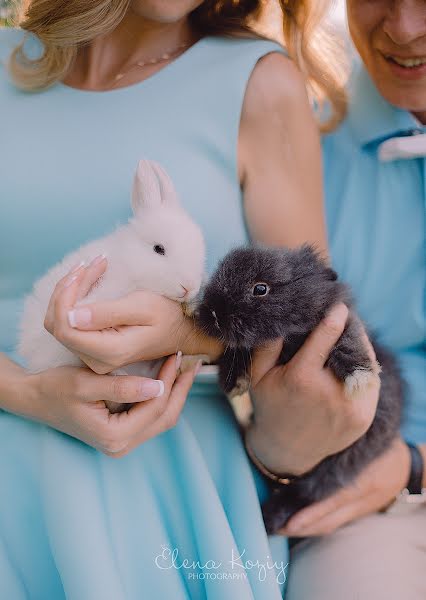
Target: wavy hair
[[63, 26]]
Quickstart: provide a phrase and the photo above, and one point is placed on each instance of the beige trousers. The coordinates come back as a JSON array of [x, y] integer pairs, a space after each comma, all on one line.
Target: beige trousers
[[378, 557]]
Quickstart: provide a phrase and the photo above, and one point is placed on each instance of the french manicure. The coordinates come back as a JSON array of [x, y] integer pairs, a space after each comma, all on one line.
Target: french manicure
[[178, 360], [151, 388], [79, 317], [97, 260]]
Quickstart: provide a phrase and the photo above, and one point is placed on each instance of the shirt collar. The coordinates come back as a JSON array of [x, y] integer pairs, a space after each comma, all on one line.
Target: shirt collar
[[371, 117]]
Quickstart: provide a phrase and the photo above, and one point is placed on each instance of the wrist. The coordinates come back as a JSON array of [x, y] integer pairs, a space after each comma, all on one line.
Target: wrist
[[274, 457], [19, 392]]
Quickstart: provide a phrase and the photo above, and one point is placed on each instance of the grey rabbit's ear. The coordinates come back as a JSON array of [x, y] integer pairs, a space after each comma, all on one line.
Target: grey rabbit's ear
[[152, 188]]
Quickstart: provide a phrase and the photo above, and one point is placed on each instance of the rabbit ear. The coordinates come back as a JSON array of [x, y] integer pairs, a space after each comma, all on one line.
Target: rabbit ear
[[152, 187]]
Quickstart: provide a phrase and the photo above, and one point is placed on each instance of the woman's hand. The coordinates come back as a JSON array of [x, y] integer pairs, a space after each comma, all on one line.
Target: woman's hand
[[372, 491], [71, 399], [301, 413], [111, 334]]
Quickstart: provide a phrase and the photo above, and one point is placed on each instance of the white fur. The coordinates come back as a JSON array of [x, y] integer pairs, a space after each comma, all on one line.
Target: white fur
[[360, 380], [132, 265]]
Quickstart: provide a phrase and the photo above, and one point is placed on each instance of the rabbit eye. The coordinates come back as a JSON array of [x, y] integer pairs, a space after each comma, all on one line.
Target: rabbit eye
[[260, 289], [159, 249]]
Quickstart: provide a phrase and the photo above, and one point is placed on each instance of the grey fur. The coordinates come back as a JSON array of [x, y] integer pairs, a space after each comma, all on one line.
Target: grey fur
[[302, 290]]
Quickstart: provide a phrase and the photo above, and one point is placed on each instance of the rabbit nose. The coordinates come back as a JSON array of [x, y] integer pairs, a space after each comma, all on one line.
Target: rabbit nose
[[186, 291], [189, 290]]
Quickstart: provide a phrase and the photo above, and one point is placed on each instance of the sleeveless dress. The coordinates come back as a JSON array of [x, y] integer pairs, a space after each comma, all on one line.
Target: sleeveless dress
[[180, 516]]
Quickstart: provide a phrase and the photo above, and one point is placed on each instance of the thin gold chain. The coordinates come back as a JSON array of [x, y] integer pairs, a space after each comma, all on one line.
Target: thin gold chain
[[151, 61]]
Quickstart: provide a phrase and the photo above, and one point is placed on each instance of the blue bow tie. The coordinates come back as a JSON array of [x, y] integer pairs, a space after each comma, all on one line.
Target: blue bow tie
[[410, 145]]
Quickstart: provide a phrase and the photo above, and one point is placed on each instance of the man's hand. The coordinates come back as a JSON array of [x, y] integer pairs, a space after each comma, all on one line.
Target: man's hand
[[301, 411], [372, 491]]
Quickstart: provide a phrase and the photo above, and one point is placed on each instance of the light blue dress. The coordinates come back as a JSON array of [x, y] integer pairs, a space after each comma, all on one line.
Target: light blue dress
[[376, 216], [75, 523]]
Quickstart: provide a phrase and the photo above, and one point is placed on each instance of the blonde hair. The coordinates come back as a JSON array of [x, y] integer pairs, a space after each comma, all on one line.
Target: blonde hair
[[319, 54], [64, 26]]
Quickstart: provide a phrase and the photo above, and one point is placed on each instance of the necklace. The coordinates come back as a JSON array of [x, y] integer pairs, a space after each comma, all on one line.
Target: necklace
[[151, 61]]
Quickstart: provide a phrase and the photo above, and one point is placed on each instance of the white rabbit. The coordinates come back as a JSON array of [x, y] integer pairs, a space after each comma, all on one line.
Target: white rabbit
[[160, 249]]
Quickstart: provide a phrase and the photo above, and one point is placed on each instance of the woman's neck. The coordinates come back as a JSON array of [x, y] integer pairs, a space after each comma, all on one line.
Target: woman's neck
[[134, 39]]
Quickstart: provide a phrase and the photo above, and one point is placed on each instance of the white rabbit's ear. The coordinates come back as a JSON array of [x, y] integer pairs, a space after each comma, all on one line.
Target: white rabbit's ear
[[152, 187]]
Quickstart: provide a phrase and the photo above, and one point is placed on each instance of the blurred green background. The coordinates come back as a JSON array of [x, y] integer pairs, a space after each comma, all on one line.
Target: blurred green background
[[7, 11]]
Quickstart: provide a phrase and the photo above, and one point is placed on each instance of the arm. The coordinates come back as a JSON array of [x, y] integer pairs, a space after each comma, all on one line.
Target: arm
[[16, 395], [69, 399], [280, 158], [374, 490], [296, 406]]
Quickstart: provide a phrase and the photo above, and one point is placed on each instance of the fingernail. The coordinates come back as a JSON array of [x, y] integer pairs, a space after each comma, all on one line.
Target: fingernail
[[77, 266], [151, 388], [97, 260], [178, 360], [70, 281], [79, 317], [338, 315]]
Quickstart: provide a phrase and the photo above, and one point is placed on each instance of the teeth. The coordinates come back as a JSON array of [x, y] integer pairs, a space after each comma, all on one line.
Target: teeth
[[409, 62]]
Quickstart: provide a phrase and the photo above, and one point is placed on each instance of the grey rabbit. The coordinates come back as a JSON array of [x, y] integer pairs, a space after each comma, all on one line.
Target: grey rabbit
[[258, 294]]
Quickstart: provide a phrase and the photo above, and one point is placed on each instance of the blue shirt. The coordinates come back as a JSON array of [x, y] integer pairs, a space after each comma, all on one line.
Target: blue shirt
[[376, 224]]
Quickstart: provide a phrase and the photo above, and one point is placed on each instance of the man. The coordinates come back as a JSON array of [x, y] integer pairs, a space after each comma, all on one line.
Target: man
[[375, 185]]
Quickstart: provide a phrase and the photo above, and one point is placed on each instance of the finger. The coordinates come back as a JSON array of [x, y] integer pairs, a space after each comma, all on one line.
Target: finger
[[319, 510], [93, 272], [113, 313], [142, 415], [66, 297], [119, 388], [69, 280], [321, 341], [332, 521], [265, 358], [175, 404]]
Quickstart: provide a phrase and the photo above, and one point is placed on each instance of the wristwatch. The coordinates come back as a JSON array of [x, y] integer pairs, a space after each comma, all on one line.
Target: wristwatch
[[414, 494]]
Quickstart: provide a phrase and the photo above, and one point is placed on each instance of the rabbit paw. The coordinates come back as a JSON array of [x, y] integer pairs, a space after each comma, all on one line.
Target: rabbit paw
[[241, 387], [358, 381], [243, 408]]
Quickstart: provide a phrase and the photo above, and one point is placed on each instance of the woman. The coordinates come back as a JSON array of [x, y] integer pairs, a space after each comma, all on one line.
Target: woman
[[375, 195], [74, 523]]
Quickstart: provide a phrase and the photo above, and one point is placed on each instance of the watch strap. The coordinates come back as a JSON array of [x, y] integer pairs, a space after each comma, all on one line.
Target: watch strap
[[415, 482]]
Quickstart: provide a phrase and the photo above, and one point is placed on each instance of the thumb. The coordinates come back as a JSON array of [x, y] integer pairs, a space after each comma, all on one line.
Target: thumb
[[321, 341], [265, 358]]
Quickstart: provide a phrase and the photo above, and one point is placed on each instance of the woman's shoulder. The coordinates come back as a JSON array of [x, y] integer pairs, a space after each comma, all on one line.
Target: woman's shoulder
[[238, 49], [276, 86]]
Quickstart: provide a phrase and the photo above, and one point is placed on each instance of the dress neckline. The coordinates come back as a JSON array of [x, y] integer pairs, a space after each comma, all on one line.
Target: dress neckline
[[144, 83]]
